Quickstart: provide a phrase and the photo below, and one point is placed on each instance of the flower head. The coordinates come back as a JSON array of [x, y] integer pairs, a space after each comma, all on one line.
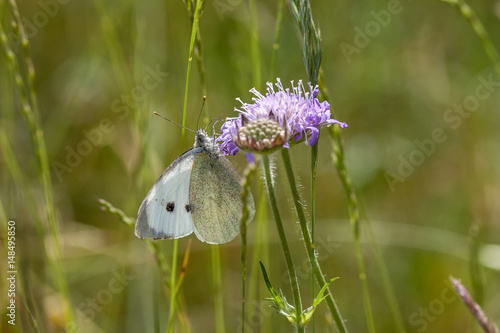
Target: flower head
[[295, 114]]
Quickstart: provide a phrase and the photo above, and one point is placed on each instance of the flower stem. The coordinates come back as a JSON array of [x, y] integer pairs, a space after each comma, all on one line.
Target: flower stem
[[314, 165], [320, 279], [245, 214], [283, 241]]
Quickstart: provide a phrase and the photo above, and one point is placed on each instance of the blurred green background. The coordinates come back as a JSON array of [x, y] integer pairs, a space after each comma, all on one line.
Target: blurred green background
[[428, 176]]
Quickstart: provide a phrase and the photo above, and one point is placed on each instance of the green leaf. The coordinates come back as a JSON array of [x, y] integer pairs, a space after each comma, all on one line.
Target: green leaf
[[279, 301], [306, 316]]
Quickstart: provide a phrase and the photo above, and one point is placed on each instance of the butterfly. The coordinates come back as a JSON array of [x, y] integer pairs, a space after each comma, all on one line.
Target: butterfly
[[199, 192]]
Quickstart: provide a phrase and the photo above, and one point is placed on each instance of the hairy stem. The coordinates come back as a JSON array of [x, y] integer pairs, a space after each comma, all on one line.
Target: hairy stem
[[308, 242], [281, 233]]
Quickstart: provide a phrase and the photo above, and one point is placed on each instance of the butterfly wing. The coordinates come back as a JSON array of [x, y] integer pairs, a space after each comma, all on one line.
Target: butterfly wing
[[165, 212], [215, 197]]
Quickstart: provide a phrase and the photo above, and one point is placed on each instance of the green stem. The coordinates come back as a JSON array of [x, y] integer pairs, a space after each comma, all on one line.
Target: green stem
[[478, 28], [254, 45], [194, 29], [276, 44], [390, 295], [243, 271], [314, 165], [352, 202], [217, 288], [320, 279], [474, 264], [281, 233], [245, 214], [260, 250], [198, 55], [172, 286], [121, 70]]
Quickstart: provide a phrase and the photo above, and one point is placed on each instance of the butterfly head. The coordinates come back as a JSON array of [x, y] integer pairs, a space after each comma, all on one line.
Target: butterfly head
[[207, 143]]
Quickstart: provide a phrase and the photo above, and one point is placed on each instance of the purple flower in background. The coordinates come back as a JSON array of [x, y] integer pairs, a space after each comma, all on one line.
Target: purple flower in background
[[273, 120]]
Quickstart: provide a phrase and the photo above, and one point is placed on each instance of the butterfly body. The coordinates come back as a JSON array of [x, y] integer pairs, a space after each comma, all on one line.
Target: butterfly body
[[199, 192]]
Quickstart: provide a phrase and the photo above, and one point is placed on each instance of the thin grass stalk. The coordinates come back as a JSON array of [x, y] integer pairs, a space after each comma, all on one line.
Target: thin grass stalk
[[153, 246], [276, 44], [475, 265], [352, 202], [217, 289], [214, 249], [32, 116], [194, 28], [173, 272], [156, 307], [390, 295], [301, 10], [158, 254], [182, 275], [254, 45], [381, 266], [118, 62], [17, 175], [283, 241], [20, 181], [475, 309], [470, 15], [243, 262], [260, 248], [190, 6], [332, 306], [314, 166]]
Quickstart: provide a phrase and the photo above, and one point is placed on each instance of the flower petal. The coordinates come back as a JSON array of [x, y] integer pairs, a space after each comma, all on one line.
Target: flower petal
[[250, 157], [314, 135]]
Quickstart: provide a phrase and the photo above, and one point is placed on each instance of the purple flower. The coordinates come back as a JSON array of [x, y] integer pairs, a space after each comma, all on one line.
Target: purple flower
[[298, 113]]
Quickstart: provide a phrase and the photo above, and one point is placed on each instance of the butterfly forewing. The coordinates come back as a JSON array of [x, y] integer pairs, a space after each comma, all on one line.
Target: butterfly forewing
[[165, 212], [215, 197]]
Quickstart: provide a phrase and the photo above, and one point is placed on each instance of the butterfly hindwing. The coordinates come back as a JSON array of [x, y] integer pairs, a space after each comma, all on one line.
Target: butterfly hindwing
[[165, 212], [215, 197]]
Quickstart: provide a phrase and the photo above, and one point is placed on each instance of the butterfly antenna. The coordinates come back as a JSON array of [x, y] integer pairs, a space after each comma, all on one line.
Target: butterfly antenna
[[213, 119], [199, 116], [159, 115]]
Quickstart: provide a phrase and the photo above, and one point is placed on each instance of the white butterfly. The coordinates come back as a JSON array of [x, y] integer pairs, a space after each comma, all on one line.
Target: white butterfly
[[201, 192]]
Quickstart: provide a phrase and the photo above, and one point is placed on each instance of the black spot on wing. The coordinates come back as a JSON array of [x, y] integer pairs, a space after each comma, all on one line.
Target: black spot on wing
[[188, 208], [170, 206]]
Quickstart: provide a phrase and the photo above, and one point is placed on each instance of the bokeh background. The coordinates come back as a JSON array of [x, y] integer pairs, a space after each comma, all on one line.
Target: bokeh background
[[427, 174]]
